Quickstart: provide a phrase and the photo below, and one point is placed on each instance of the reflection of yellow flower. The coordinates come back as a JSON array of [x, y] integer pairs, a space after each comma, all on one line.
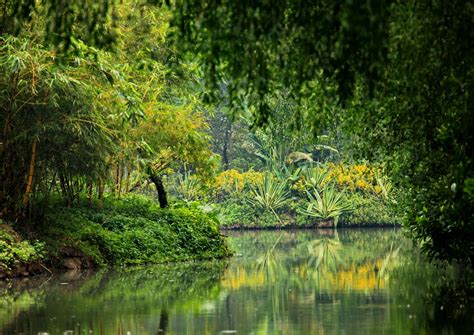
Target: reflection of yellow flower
[[357, 277], [236, 278]]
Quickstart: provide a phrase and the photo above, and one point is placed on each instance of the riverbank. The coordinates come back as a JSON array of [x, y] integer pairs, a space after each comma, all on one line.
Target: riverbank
[[309, 227], [128, 231], [368, 211]]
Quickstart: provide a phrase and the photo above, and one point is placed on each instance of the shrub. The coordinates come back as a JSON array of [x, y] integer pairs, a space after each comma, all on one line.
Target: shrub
[[326, 205], [232, 181], [360, 178], [133, 230], [14, 251], [236, 212], [370, 210]]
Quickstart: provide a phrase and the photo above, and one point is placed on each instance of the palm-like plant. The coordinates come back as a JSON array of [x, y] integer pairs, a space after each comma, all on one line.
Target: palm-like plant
[[384, 183], [327, 205], [189, 187], [316, 177], [270, 195]]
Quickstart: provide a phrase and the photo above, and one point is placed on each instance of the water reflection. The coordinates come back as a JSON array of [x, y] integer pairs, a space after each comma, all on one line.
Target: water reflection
[[280, 282]]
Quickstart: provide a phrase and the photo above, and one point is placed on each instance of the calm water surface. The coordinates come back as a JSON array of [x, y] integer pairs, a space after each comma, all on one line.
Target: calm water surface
[[279, 282]]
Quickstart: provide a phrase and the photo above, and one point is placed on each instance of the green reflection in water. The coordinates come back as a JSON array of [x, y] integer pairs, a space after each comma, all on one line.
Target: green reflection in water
[[279, 282]]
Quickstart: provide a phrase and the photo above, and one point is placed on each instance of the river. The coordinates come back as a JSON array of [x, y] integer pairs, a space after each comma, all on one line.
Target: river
[[357, 281]]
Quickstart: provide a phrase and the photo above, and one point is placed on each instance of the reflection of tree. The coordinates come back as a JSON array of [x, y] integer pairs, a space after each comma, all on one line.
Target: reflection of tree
[[287, 277], [441, 293], [164, 320], [276, 286], [357, 259], [271, 265], [114, 299]]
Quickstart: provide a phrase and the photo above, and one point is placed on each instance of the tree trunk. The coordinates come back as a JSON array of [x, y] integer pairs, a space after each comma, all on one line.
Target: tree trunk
[[100, 193], [89, 192], [225, 156], [127, 179], [62, 183], [31, 171], [52, 184], [160, 190], [119, 180], [70, 190]]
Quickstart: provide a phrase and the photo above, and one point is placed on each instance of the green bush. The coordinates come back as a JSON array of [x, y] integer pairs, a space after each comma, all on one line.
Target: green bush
[[370, 210], [14, 252], [235, 212], [133, 230]]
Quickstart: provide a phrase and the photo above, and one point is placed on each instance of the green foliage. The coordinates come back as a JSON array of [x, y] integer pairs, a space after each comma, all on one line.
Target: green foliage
[[327, 205], [369, 210], [286, 44], [14, 252], [270, 195], [63, 21], [132, 230], [421, 122]]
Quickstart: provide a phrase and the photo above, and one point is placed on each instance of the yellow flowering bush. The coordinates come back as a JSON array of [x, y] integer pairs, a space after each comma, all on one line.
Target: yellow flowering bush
[[354, 178], [231, 181]]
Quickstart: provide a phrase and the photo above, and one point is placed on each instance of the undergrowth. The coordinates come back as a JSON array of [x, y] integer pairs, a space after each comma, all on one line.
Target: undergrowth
[[131, 230]]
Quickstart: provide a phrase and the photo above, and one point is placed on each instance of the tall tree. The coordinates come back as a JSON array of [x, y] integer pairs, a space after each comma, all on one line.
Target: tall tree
[[46, 107]]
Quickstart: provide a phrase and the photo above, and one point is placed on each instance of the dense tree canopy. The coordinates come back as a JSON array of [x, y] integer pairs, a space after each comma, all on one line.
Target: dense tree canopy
[[88, 119]]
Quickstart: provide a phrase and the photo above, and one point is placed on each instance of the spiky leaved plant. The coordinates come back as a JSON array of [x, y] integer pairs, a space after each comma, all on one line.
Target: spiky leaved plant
[[329, 204], [270, 195]]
